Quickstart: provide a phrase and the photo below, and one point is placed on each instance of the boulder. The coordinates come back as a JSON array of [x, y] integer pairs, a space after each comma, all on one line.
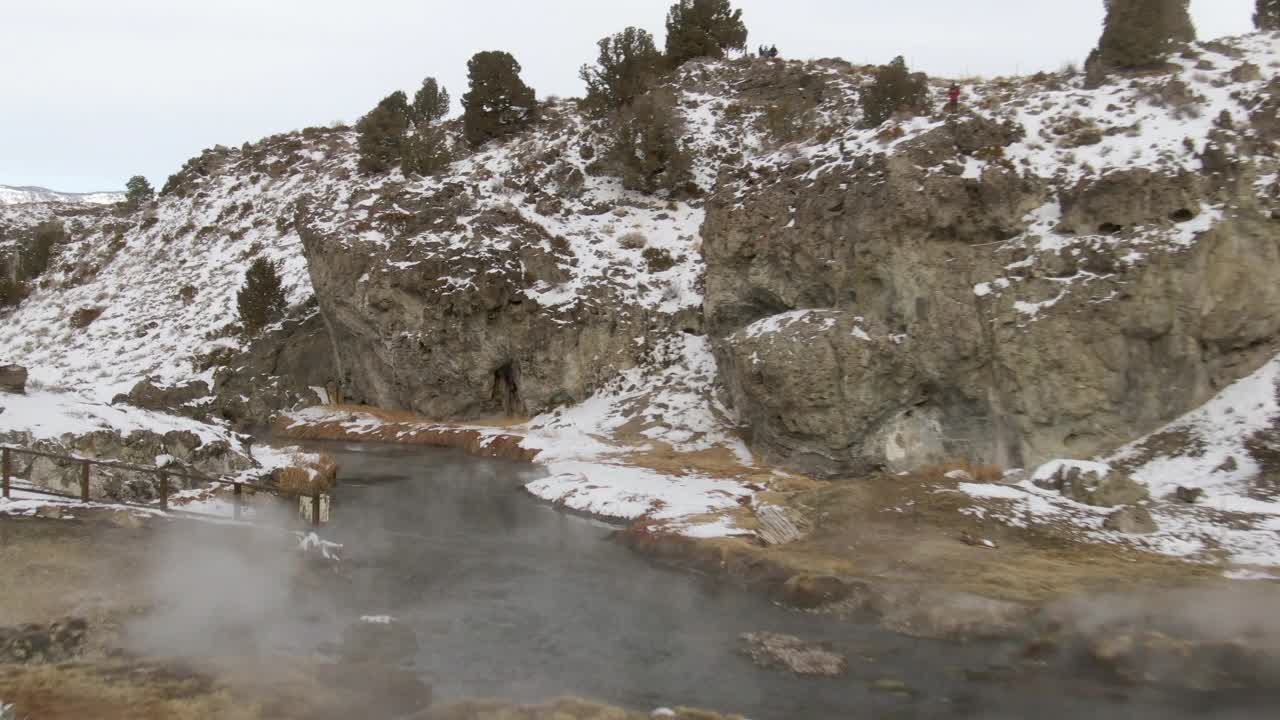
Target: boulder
[[180, 399], [790, 653], [1132, 520], [1187, 495], [1093, 484], [13, 379]]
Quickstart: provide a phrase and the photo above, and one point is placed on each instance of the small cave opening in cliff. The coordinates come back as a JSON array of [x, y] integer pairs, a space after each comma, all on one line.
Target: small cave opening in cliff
[[506, 390], [1183, 215]]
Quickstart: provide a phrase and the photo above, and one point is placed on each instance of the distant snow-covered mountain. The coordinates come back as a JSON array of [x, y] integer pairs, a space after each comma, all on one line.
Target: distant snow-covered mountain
[[11, 195]]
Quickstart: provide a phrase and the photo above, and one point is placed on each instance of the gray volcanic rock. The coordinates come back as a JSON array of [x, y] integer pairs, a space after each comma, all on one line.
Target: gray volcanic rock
[[451, 330], [942, 327]]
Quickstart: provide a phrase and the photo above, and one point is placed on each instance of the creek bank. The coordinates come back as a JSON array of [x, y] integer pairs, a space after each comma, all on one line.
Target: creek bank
[[852, 553], [365, 424]]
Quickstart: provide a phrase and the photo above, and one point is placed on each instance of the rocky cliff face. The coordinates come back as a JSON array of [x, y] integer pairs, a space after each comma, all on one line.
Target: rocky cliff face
[[934, 292], [520, 282]]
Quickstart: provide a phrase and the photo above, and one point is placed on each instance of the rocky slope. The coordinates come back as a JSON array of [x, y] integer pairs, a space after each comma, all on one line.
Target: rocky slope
[[1053, 271]]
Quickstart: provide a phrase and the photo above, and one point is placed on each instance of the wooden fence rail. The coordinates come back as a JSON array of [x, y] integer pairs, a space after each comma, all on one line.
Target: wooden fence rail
[[238, 486]]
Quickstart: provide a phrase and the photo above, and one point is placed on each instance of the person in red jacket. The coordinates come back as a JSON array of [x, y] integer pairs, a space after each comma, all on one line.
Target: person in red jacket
[[953, 98]]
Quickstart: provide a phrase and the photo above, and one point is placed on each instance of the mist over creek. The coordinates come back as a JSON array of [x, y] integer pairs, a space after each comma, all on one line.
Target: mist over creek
[[509, 598]]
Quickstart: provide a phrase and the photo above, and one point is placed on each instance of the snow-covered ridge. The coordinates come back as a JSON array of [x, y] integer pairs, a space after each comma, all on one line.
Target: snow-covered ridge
[[10, 195]]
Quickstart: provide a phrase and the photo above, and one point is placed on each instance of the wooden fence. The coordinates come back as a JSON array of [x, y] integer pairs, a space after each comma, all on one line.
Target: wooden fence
[[164, 474]]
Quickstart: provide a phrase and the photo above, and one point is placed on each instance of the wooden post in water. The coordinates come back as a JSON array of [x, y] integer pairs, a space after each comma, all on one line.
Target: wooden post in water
[[235, 499], [164, 492], [5, 462], [315, 508], [84, 482]]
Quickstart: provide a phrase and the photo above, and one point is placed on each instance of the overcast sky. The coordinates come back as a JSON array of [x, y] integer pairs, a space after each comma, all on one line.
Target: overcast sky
[[93, 91]]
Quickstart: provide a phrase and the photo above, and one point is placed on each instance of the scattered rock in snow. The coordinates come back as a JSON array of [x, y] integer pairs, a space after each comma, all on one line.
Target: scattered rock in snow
[[790, 653], [13, 379], [1246, 72], [1132, 520], [180, 399], [1098, 486], [1190, 496]]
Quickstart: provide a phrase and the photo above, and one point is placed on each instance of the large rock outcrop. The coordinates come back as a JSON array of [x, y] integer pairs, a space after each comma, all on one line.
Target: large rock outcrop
[[450, 328], [920, 305]]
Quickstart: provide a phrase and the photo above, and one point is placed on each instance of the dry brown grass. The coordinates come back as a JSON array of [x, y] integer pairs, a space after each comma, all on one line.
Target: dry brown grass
[[905, 528], [116, 692], [278, 688], [403, 428], [307, 475], [980, 472], [408, 416]]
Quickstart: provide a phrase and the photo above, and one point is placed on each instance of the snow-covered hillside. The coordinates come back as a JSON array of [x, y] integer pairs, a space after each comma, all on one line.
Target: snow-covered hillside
[[160, 285], [22, 195], [166, 278]]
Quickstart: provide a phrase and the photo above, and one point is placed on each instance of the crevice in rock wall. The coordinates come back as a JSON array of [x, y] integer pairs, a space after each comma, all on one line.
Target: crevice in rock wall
[[506, 390], [1005, 446]]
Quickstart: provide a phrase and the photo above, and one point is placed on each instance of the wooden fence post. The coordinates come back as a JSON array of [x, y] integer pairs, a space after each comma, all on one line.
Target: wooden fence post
[[235, 500], [164, 492], [84, 482], [6, 473], [315, 508]]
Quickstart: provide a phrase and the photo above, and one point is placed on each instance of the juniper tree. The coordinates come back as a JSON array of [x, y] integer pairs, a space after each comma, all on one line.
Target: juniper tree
[[430, 103], [1267, 16], [261, 299], [703, 28], [35, 254], [381, 133], [645, 148], [1140, 33], [894, 88], [498, 102], [137, 192], [426, 151], [628, 65]]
